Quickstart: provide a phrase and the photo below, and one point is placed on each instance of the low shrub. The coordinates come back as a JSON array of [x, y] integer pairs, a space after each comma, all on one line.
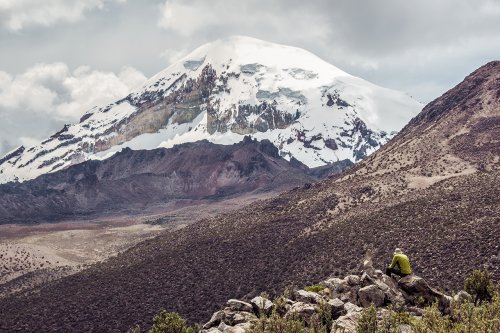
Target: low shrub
[[367, 323], [170, 322], [315, 288], [480, 285], [465, 317], [293, 324]]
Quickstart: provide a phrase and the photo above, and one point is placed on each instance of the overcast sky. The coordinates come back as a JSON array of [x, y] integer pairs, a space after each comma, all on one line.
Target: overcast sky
[[61, 57]]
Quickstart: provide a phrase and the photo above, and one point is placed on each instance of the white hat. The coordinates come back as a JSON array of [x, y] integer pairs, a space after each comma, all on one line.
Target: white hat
[[398, 251]]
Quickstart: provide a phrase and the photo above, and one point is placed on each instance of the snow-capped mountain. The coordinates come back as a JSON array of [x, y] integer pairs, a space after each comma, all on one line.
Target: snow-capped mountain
[[222, 91]]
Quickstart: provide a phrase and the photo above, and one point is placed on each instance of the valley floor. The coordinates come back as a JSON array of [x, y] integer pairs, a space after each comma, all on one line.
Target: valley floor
[[34, 255]]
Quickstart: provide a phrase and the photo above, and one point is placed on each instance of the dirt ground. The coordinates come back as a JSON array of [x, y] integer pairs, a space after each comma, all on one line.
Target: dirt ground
[[31, 255]]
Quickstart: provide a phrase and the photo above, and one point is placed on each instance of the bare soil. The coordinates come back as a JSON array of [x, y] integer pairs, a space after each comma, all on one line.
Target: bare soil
[[33, 255]]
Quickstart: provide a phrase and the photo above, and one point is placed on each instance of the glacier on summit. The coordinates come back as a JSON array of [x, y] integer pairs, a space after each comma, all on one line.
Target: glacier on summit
[[222, 91]]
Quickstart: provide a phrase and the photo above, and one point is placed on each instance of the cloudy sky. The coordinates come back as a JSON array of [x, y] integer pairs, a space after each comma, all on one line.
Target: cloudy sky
[[61, 57]]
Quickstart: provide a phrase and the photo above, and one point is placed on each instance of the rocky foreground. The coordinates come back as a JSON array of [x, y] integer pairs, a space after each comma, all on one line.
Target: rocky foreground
[[342, 299]]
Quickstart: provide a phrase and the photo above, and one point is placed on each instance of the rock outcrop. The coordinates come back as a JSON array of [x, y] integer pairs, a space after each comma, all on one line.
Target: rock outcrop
[[344, 299]]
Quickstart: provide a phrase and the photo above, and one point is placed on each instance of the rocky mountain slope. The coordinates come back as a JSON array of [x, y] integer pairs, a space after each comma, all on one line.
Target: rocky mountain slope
[[309, 109], [135, 181], [433, 191]]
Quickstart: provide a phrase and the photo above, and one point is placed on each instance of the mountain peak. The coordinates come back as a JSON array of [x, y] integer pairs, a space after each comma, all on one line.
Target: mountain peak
[[232, 52], [236, 86], [481, 85]]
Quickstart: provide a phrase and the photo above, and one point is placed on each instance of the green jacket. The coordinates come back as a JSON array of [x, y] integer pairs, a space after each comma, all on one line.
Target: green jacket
[[403, 262]]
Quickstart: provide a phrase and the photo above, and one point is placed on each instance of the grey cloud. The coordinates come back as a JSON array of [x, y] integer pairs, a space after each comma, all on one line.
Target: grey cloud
[[422, 48], [41, 100], [18, 15]]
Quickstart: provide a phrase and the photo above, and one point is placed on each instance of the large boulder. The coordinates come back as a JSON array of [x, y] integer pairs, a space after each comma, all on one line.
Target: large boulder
[[416, 287], [262, 305], [349, 295], [240, 328], [302, 310], [216, 319], [346, 323], [366, 280], [371, 295], [237, 305], [307, 297], [392, 293], [238, 317], [211, 330], [351, 307], [337, 307], [336, 285], [462, 297], [352, 280]]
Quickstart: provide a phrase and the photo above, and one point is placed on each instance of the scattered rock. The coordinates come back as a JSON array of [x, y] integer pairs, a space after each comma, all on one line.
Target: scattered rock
[[416, 286], [337, 307], [350, 307], [325, 293], [404, 328], [237, 305], [462, 297], [352, 280], [216, 319], [415, 311], [334, 284], [349, 295], [366, 280], [262, 305], [371, 295], [303, 310], [346, 323], [238, 317], [239, 328], [344, 298], [307, 297]]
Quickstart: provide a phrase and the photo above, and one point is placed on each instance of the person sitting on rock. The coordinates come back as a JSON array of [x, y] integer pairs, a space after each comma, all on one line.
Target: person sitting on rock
[[400, 264]]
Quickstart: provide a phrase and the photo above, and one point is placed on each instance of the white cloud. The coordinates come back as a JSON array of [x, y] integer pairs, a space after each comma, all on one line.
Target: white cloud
[[243, 17], [172, 55], [422, 47], [28, 141], [131, 77], [397, 44], [186, 19], [87, 88], [16, 15], [38, 101]]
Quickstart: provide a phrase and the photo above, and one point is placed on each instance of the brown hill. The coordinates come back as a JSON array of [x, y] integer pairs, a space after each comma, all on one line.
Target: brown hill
[[433, 191], [135, 181]]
